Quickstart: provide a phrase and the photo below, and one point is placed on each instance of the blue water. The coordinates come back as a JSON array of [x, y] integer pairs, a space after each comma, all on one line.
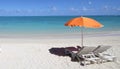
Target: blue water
[[52, 24]]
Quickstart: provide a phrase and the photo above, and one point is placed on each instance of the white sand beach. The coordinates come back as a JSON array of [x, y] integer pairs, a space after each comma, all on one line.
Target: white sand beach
[[34, 53]]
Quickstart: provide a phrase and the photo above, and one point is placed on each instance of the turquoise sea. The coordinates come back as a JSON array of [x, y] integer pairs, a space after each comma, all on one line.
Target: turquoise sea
[[52, 24]]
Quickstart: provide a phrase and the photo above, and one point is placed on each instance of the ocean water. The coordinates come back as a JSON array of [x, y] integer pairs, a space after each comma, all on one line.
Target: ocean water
[[52, 24]]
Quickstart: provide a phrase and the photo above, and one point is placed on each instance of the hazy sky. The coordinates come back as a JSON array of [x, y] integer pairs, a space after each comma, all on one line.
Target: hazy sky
[[59, 7]]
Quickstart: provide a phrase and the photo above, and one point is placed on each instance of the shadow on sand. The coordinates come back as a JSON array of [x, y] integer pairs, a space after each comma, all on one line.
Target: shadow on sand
[[58, 51], [61, 52]]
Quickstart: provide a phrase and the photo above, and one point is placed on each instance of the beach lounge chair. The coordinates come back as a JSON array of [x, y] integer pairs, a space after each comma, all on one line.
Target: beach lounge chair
[[99, 52], [86, 53], [90, 55]]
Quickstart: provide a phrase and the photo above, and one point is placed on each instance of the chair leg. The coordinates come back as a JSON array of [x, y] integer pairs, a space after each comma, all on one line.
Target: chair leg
[[78, 58]]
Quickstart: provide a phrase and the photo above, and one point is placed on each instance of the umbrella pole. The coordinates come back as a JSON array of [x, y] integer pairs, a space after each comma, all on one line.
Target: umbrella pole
[[82, 36]]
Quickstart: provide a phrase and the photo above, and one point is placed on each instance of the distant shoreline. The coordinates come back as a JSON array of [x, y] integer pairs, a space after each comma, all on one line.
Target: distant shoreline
[[60, 36]]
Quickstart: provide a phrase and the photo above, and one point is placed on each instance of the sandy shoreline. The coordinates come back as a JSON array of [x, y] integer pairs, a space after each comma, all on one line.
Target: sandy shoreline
[[58, 35], [33, 53]]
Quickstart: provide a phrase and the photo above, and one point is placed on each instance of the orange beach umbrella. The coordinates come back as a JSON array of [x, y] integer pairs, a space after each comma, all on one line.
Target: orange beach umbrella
[[83, 22]]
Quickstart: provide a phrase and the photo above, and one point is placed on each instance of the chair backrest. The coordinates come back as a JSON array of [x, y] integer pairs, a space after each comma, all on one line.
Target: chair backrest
[[86, 50], [101, 49]]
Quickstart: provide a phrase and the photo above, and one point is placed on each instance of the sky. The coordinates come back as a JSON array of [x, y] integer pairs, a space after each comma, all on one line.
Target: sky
[[59, 7]]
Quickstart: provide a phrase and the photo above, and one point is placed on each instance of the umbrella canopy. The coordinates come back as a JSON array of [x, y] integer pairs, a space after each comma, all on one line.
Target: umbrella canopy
[[83, 22]]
